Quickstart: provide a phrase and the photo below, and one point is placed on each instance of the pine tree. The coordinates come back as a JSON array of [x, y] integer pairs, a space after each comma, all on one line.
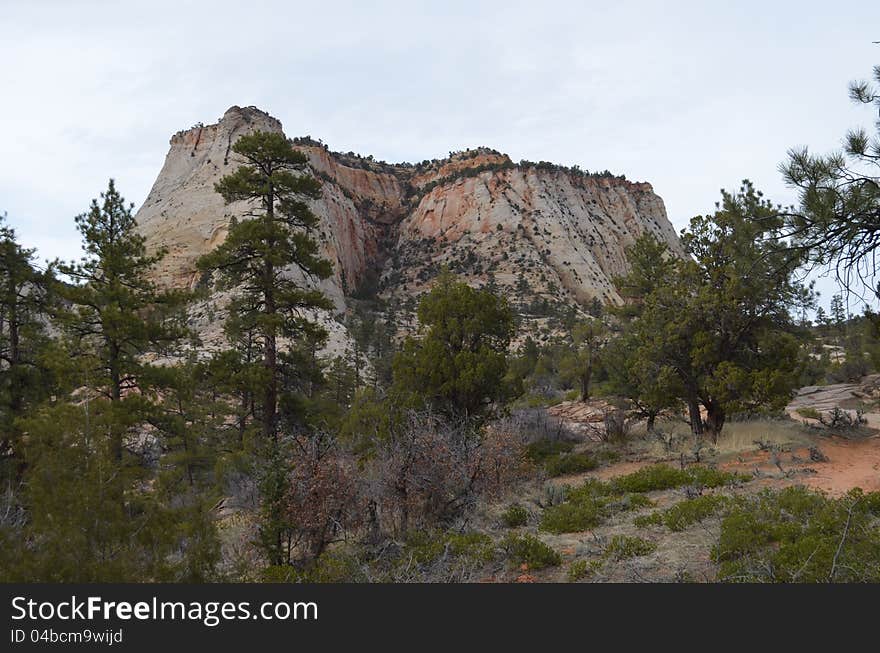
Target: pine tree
[[586, 340], [837, 314], [94, 513], [838, 221], [118, 316], [821, 318], [234, 373], [256, 260], [258, 252], [719, 321], [24, 306]]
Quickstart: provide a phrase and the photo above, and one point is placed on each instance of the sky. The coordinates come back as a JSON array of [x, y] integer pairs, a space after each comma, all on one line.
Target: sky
[[690, 96]]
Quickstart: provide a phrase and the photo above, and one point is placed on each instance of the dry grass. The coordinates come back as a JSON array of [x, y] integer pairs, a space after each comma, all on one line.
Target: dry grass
[[674, 438]]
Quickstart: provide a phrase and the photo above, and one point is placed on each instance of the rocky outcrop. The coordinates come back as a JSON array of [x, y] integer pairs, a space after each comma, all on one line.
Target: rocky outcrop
[[185, 215], [556, 232], [532, 229]]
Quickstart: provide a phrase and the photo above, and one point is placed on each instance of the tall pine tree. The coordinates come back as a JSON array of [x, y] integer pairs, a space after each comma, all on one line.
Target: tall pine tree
[[118, 318], [95, 514], [24, 305], [258, 253], [261, 259]]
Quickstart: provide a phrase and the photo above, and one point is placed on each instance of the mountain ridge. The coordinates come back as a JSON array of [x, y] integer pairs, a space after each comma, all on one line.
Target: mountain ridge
[[536, 230]]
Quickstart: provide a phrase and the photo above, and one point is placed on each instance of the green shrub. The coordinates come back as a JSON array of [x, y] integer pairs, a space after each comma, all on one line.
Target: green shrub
[[691, 511], [712, 478], [588, 506], [575, 516], [573, 463], [664, 477], [580, 569], [425, 547], [538, 452], [809, 412], [608, 455], [529, 550], [655, 477], [515, 515], [633, 502], [652, 519], [799, 535], [623, 547], [536, 401]]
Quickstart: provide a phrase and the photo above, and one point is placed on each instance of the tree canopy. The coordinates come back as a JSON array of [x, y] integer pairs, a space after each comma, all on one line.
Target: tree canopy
[[837, 222], [259, 251], [719, 321], [459, 362]]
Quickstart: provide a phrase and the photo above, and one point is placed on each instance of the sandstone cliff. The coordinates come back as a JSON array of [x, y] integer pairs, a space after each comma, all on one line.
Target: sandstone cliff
[[534, 229]]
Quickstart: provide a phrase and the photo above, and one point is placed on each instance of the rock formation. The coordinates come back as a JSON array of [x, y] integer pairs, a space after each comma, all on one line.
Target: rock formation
[[535, 229]]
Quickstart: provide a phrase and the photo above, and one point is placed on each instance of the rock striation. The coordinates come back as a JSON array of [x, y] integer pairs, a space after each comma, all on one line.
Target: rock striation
[[535, 230]]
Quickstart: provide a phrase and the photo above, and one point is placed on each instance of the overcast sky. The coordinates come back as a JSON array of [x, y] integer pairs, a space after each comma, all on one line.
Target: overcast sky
[[690, 96]]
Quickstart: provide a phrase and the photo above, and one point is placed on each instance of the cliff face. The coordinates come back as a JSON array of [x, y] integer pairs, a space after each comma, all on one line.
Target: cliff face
[[557, 232], [535, 229], [184, 214]]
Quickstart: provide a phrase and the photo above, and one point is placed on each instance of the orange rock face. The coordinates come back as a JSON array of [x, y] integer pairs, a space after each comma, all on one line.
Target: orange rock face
[[537, 229]]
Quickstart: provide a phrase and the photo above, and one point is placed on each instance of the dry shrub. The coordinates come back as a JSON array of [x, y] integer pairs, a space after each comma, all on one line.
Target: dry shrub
[[429, 471], [617, 424], [532, 425], [324, 500]]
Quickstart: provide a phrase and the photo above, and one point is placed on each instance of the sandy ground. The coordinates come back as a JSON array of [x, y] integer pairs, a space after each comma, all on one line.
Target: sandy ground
[[853, 457], [774, 453], [851, 464]]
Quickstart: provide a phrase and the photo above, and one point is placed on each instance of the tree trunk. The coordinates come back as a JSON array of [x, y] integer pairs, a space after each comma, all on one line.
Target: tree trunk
[[270, 359], [650, 425], [694, 416], [242, 420], [373, 527], [714, 419], [270, 397], [16, 399], [116, 396], [586, 376]]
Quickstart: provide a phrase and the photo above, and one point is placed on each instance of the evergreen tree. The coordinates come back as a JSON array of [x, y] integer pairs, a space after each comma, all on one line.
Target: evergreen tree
[[94, 513], [649, 384], [270, 303], [24, 307], [838, 220], [822, 320], [258, 252], [459, 364], [235, 375], [586, 340], [384, 347], [118, 317], [837, 314], [720, 320]]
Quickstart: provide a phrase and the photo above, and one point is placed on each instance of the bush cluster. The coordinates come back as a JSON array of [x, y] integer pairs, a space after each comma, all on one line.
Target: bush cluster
[[529, 550], [664, 477], [515, 515], [589, 506], [685, 513], [799, 535]]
